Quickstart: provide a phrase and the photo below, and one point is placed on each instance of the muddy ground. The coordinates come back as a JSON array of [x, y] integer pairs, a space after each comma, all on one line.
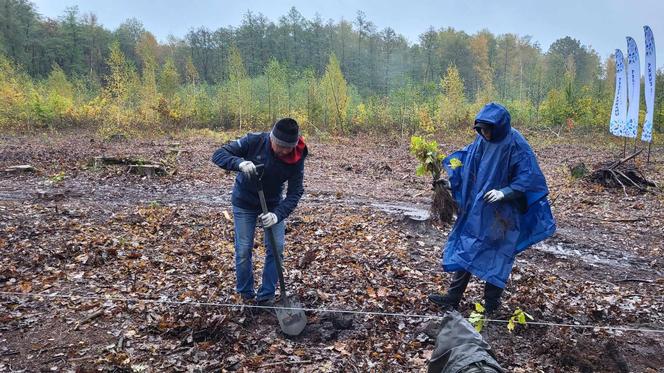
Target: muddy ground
[[75, 238]]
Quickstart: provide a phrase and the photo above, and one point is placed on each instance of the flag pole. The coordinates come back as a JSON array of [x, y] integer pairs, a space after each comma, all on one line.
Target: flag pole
[[635, 140]]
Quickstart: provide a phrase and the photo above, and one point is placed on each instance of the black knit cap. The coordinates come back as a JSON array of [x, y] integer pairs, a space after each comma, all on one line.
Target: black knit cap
[[285, 133]]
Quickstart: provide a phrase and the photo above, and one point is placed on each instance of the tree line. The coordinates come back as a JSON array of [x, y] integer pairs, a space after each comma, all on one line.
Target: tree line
[[332, 76]]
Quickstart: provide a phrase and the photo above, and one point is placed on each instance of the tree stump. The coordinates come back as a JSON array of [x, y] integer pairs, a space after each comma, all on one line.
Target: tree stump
[[99, 162], [21, 168], [118, 137], [419, 221], [578, 170], [135, 166], [148, 170]]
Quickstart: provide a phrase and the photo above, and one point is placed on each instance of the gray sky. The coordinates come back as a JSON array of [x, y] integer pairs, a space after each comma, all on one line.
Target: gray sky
[[602, 24]]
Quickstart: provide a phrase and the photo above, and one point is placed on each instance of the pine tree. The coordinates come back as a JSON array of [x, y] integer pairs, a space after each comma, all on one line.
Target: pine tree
[[453, 106], [169, 79], [121, 91], [190, 72], [119, 79], [479, 47], [277, 90], [239, 86], [146, 49], [336, 95]]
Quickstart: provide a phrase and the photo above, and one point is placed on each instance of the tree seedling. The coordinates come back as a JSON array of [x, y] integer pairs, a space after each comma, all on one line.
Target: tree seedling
[[478, 318], [57, 178]]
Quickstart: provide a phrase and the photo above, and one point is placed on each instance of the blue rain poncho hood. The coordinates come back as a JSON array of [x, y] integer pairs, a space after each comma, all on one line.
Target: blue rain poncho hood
[[487, 236]]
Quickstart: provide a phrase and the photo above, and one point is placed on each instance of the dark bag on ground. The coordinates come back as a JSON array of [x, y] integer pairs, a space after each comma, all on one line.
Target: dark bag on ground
[[460, 349]]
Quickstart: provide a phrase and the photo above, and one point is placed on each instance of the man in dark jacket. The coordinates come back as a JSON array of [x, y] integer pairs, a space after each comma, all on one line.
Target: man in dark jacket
[[501, 196], [282, 152]]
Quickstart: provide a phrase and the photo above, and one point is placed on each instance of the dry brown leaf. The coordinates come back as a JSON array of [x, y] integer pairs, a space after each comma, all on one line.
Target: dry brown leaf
[[25, 287]]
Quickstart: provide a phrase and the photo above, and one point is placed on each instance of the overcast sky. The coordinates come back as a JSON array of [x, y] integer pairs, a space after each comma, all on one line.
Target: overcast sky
[[602, 24]]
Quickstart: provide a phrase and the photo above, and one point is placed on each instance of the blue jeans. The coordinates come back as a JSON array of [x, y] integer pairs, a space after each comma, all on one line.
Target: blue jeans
[[245, 227]]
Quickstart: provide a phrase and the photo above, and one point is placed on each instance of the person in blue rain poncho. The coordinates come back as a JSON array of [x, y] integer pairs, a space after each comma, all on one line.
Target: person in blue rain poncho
[[501, 197]]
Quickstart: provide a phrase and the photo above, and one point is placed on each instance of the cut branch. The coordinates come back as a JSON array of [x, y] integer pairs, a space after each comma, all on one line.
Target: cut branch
[[91, 316], [622, 161], [286, 363]]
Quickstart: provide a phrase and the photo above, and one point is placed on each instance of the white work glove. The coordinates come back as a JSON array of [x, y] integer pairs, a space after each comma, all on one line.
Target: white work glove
[[268, 220], [493, 196], [248, 168]]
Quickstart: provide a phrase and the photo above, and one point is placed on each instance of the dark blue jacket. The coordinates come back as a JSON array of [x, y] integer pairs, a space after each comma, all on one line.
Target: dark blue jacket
[[486, 237], [256, 147]]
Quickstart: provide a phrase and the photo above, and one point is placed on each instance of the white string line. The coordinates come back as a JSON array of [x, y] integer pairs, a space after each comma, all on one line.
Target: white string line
[[317, 310]]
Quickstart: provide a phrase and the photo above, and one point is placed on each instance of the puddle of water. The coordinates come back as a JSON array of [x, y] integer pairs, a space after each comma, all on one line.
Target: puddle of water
[[559, 250], [414, 212], [218, 199], [410, 211]]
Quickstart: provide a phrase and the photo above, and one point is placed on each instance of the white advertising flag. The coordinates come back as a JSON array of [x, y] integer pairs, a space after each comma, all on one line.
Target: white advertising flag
[[633, 88], [619, 112], [650, 73]]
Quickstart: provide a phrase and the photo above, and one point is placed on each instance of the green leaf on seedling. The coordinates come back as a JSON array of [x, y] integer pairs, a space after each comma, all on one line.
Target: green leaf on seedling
[[57, 178], [518, 317], [522, 318], [477, 317], [511, 325], [428, 155], [479, 307], [477, 320], [455, 163]]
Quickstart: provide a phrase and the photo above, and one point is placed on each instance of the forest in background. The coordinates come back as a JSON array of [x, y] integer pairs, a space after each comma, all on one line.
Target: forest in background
[[334, 77]]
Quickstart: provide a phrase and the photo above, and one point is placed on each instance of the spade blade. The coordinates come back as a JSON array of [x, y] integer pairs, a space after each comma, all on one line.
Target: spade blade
[[292, 319]]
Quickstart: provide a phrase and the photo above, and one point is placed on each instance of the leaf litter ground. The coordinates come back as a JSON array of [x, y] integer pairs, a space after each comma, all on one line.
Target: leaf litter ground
[[101, 234]]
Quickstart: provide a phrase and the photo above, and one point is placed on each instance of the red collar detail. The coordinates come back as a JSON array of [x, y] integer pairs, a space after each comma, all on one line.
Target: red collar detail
[[295, 156]]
